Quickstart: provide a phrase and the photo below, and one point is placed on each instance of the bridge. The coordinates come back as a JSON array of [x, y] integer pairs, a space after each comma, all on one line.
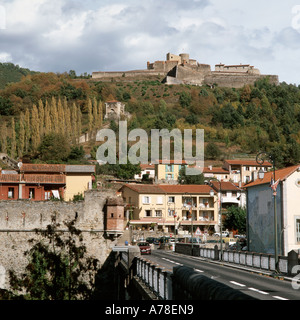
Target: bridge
[[141, 278]]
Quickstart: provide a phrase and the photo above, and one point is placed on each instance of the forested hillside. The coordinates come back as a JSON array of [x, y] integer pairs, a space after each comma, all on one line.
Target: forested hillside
[[246, 120], [11, 73]]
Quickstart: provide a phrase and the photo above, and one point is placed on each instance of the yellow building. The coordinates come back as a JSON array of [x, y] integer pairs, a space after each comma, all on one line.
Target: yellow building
[[74, 179], [169, 206], [168, 170], [79, 179]]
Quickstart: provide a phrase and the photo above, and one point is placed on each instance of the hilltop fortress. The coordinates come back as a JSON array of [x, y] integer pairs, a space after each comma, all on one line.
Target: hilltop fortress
[[180, 69]]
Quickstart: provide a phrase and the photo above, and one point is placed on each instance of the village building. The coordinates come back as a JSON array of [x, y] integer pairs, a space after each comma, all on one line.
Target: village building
[[263, 205], [40, 182], [147, 170], [170, 208]]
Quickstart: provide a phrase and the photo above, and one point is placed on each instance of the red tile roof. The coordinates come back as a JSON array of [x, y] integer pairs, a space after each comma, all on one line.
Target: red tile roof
[[167, 189], [56, 168], [29, 167], [225, 186], [248, 163], [166, 161], [147, 166], [186, 188], [215, 170], [281, 174]]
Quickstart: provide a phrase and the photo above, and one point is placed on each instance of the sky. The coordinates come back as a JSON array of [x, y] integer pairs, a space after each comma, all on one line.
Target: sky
[[121, 35]]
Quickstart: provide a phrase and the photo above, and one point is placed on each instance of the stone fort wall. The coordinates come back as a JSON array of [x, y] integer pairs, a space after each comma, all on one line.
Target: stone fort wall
[[19, 218], [183, 70]]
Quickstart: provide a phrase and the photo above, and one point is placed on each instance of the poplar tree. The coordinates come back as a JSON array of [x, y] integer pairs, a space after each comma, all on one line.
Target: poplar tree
[[68, 129], [4, 137], [95, 114], [41, 112], [79, 119], [48, 126], [13, 145], [61, 117], [74, 122], [54, 116], [35, 128], [100, 113], [90, 117], [27, 130], [21, 134]]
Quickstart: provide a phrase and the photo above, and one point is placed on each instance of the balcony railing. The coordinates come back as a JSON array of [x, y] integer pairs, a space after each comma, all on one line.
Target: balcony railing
[[33, 178]]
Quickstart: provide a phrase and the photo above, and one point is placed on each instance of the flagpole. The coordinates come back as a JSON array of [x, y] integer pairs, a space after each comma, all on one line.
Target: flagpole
[[275, 218]]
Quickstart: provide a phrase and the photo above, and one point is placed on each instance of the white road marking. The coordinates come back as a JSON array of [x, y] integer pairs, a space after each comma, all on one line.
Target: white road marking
[[199, 270], [280, 298], [172, 261], [259, 291], [238, 284]]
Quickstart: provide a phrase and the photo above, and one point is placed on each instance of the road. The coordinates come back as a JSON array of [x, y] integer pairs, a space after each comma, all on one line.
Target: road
[[259, 286]]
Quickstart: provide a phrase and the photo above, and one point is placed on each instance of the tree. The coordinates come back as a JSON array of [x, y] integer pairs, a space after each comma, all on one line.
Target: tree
[[212, 151], [183, 178], [13, 144], [90, 116], [235, 219], [127, 171], [35, 128], [4, 137], [185, 99], [54, 148], [58, 267], [21, 134]]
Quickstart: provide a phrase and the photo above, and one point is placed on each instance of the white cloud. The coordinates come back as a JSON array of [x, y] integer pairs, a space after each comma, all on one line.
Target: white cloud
[[59, 35], [5, 57]]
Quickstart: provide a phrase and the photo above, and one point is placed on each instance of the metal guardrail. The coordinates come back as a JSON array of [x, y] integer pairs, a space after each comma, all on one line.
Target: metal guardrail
[[155, 278], [245, 258]]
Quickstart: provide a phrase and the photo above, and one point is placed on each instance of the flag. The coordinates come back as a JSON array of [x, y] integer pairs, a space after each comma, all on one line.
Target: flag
[[274, 186]]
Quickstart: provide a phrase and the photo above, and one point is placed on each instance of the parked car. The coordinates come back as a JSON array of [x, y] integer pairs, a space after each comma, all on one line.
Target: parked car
[[224, 234], [164, 239], [156, 241], [145, 247], [195, 240], [230, 241], [150, 239]]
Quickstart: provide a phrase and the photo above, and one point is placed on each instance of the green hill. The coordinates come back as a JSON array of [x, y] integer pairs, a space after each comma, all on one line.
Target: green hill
[[237, 121], [11, 73]]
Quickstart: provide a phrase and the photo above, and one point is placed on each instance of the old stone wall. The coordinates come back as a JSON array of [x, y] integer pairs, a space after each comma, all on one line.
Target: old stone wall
[[236, 80], [19, 218]]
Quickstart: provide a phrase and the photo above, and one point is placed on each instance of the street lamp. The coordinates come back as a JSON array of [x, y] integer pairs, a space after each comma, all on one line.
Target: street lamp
[[260, 160], [191, 212], [220, 211]]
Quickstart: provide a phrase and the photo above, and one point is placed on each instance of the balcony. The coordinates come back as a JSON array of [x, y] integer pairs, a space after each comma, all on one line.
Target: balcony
[[33, 178]]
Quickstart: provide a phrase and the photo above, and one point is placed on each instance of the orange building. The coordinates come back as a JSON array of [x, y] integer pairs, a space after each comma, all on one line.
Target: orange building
[[45, 181]]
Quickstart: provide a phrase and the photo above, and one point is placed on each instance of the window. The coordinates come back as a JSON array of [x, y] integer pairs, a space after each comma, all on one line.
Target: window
[[159, 200], [298, 230], [171, 199], [147, 213], [158, 213], [234, 194], [170, 213], [146, 200], [47, 195], [169, 168], [11, 193], [169, 176], [31, 193]]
